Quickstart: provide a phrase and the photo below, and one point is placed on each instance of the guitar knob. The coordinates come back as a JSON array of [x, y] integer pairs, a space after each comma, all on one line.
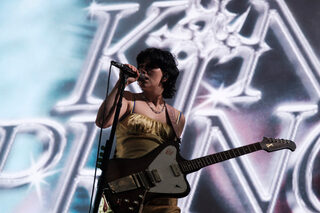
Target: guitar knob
[[118, 201], [131, 208], [140, 196], [136, 202], [126, 201]]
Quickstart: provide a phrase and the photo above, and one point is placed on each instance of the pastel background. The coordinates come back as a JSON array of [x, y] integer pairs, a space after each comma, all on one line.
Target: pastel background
[[249, 69]]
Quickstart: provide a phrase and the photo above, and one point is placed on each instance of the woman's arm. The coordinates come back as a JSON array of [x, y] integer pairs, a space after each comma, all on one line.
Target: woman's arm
[[110, 108], [106, 120]]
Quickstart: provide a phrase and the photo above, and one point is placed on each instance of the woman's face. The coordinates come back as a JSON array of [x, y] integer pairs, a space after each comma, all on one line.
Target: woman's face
[[153, 76]]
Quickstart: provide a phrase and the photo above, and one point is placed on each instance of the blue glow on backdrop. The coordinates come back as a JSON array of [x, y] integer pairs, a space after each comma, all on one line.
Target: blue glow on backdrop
[[248, 69]]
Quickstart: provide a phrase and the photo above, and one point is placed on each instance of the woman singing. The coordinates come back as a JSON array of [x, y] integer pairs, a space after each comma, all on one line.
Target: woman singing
[[144, 122]]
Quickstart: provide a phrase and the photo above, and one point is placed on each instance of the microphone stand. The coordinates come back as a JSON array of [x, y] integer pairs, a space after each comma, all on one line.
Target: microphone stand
[[102, 184]]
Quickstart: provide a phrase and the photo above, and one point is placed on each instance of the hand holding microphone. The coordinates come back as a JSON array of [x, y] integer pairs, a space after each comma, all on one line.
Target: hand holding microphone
[[129, 70]]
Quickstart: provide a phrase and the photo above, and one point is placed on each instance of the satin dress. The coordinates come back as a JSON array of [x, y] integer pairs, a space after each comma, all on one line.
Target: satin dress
[[137, 135]]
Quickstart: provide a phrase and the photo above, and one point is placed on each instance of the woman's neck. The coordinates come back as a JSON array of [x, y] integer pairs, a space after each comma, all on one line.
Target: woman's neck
[[156, 99]]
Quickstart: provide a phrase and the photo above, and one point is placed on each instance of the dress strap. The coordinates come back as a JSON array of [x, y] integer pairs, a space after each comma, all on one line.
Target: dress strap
[[134, 104], [170, 111], [178, 119]]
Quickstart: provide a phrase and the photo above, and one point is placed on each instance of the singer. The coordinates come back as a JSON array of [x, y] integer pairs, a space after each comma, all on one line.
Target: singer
[[146, 120]]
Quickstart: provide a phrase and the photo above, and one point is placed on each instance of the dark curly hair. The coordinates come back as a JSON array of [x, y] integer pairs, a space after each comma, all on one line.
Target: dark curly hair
[[158, 58]]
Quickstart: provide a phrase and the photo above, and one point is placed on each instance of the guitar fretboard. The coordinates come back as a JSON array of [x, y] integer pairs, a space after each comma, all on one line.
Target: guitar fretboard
[[190, 166]]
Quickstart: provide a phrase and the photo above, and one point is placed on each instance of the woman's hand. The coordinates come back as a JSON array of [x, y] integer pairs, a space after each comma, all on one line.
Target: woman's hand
[[131, 79]]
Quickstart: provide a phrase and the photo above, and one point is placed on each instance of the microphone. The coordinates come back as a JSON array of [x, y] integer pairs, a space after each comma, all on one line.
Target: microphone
[[126, 69]]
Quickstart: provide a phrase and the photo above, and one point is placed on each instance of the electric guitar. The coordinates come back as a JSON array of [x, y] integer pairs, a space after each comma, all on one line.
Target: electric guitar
[[130, 183]]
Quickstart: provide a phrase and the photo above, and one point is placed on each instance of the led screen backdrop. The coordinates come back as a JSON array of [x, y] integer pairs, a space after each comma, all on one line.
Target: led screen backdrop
[[248, 69]]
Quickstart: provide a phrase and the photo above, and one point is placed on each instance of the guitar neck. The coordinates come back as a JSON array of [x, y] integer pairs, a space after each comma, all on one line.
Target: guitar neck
[[190, 166]]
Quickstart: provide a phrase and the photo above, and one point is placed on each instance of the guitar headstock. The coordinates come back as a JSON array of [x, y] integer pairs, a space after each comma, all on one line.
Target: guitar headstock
[[273, 144]]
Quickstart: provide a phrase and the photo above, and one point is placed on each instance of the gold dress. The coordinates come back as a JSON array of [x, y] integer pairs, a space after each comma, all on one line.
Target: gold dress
[[136, 136]]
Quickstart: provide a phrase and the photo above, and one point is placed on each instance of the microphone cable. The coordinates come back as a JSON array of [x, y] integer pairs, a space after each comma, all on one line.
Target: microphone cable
[[100, 137]]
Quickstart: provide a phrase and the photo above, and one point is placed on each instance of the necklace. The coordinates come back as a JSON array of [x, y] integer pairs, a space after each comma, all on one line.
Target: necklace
[[153, 110]]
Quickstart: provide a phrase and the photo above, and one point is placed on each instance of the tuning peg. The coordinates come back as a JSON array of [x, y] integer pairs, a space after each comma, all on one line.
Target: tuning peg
[[99, 162]]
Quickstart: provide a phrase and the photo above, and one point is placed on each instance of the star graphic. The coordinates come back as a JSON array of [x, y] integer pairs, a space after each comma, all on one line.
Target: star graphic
[[37, 178]]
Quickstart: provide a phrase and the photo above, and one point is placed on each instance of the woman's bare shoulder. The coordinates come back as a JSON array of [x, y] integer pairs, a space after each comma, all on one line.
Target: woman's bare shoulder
[[176, 111]]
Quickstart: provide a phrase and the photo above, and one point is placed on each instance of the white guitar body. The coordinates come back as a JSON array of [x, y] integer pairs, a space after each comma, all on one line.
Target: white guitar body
[[172, 179]]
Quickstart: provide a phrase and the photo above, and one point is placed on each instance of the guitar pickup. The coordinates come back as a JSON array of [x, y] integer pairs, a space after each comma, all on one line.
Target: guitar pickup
[[156, 175], [144, 179], [175, 169], [150, 178]]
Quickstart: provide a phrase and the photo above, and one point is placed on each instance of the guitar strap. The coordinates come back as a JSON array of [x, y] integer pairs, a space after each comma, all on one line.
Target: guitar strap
[[172, 118]]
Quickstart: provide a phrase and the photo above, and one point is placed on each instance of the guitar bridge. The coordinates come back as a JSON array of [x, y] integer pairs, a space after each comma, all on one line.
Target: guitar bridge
[[124, 184]]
